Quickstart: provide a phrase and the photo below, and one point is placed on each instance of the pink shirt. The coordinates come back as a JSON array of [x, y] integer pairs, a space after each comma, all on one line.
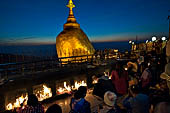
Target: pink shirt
[[120, 83]]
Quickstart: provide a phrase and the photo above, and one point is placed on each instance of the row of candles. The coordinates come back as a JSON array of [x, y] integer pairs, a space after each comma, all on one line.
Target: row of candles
[[45, 93]]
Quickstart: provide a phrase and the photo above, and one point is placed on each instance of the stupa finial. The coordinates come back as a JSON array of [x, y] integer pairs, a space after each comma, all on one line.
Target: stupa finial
[[71, 20], [71, 6]]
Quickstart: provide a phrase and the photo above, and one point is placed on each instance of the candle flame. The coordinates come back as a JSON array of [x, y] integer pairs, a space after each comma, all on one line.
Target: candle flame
[[44, 93], [68, 88], [17, 103]]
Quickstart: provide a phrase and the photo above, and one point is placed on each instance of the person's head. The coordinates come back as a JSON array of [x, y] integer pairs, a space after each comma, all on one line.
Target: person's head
[[162, 107], [110, 98], [118, 65], [132, 66], [83, 90], [32, 100], [55, 108], [113, 66], [134, 90], [78, 95], [120, 69], [129, 65]]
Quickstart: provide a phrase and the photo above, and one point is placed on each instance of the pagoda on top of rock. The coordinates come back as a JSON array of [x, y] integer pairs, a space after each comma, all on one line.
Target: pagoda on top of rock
[[72, 41]]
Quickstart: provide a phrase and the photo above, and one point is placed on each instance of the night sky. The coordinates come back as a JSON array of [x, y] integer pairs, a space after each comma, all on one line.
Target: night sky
[[40, 21]]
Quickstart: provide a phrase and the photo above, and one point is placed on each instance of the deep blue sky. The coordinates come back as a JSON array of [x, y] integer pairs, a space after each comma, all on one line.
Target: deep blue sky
[[39, 21]]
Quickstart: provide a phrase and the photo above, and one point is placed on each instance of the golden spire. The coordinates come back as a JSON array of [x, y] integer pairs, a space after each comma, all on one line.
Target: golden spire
[[71, 21], [71, 6]]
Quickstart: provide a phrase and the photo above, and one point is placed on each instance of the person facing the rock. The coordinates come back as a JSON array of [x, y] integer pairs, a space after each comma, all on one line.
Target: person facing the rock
[[166, 75], [55, 108], [103, 85], [162, 107], [119, 78], [110, 103], [78, 103], [138, 103], [33, 106]]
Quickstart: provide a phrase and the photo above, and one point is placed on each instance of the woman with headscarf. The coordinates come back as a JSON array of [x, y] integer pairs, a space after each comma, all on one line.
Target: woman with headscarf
[[110, 103]]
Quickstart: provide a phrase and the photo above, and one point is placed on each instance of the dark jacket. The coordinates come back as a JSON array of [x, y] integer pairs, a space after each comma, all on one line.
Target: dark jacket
[[103, 86], [116, 110], [81, 106], [138, 104]]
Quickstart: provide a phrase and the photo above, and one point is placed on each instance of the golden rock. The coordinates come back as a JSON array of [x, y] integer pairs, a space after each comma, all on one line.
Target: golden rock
[[72, 41]]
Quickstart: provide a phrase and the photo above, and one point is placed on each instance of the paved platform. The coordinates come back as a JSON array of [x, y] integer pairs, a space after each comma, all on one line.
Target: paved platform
[[65, 103]]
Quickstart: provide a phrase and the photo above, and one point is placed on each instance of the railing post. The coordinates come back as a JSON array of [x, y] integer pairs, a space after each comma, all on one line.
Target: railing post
[[2, 102], [16, 58], [43, 66], [23, 58], [22, 68], [6, 72], [1, 59], [9, 60], [33, 67]]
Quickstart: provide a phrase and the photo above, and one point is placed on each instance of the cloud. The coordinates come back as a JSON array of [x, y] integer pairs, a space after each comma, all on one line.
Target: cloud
[[27, 41]]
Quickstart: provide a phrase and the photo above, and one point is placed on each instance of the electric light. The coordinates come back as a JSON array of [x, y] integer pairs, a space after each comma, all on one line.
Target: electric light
[[130, 41], [153, 39], [133, 42], [163, 38]]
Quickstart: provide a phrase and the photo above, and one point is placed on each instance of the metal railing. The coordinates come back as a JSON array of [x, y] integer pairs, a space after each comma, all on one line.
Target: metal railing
[[16, 69]]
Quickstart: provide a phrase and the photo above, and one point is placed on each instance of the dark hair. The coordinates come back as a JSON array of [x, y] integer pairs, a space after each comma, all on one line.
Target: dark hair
[[113, 66], [78, 95], [55, 108], [119, 69], [162, 107], [135, 89], [83, 90], [32, 100]]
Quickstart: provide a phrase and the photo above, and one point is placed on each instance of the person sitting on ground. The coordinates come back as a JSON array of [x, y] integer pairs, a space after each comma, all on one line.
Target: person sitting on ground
[[110, 103], [103, 85], [166, 75], [140, 65], [146, 78], [78, 104], [33, 106], [132, 73], [132, 68], [159, 94], [55, 108], [119, 78], [138, 103]]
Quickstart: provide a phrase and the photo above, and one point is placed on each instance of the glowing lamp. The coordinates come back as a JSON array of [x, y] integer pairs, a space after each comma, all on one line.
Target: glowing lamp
[[116, 50], [153, 39], [163, 38], [130, 41]]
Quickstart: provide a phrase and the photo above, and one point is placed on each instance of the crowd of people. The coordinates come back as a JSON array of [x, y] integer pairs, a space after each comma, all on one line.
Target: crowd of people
[[137, 86]]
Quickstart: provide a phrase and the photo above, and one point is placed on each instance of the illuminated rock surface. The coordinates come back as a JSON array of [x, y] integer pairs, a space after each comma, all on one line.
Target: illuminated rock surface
[[72, 41]]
